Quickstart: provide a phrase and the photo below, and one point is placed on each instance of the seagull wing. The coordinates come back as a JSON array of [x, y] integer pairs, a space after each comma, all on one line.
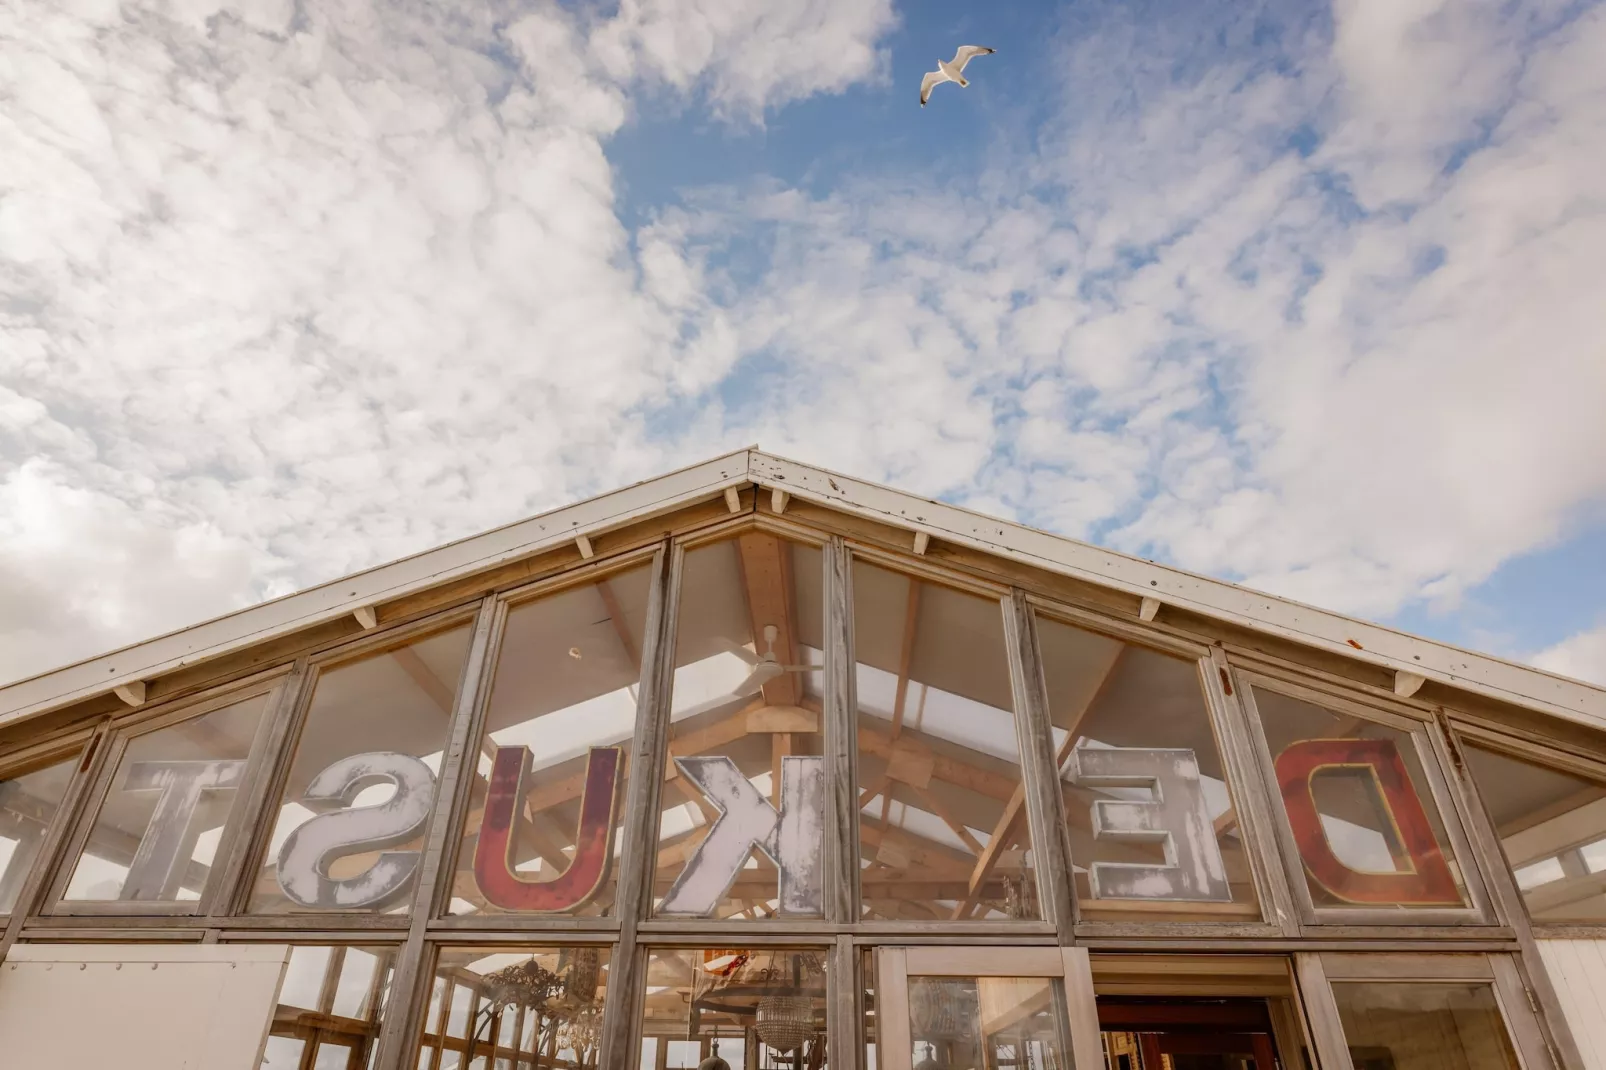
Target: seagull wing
[[967, 53], [931, 79]]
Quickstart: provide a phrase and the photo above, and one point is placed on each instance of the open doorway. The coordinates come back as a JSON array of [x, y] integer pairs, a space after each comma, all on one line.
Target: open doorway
[[1187, 1034]]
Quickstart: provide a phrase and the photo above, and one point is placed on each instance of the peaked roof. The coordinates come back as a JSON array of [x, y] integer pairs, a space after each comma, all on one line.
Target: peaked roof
[[1358, 640]]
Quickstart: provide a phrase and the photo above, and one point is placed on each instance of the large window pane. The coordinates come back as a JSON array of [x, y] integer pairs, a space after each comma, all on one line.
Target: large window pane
[[988, 1022], [1552, 827], [160, 827], [28, 803], [752, 1007], [1423, 1027], [1360, 809], [745, 739], [506, 1007], [331, 1001], [942, 824], [350, 823], [541, 833], [1152, 819]]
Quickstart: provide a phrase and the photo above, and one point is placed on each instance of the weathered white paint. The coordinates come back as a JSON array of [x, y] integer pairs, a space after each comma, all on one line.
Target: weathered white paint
[[1578, 971], [138, 1007], [304, 858], [793, 837], [1176, 817], [165, 849]]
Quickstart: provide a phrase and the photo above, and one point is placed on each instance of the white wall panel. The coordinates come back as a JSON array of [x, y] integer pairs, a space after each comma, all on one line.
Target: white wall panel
[[1578, 970], [138, 1007]]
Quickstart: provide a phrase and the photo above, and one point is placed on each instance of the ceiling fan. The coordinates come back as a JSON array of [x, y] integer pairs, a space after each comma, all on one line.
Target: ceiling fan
[[766, 667]]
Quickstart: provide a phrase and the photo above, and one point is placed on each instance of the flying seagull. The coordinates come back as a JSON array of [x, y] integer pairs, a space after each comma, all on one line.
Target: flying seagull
[[952, 71]]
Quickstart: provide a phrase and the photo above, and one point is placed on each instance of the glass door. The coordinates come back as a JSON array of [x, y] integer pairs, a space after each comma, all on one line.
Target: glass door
[[986, 1008]]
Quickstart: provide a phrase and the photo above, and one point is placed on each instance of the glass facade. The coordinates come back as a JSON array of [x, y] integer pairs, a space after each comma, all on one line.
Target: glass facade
[[1359, 809], [162, 819], [670, 810], [364, 772], [542, 827], [1152, 818], [942, 824]]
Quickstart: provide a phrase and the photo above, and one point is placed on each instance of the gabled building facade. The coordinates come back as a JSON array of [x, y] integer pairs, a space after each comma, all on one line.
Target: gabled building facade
[[759, 765]]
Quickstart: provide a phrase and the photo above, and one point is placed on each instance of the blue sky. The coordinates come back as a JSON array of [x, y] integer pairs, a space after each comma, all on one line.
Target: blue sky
[[1300, 295]]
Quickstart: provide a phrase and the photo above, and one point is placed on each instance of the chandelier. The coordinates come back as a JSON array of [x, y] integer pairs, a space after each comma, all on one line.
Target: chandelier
[[785, 1023], [778, 989]]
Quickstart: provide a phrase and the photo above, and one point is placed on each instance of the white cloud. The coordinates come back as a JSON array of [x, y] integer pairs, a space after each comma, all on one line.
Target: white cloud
[[1170, 328], [1582, 656], [746, 55], [288, 290]]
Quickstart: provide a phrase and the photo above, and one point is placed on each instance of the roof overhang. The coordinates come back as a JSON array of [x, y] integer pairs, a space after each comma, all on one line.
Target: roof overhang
[[1374, 644]]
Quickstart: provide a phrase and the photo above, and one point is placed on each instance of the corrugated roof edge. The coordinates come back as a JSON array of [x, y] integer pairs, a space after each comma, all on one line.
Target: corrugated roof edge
[[1371, 643]]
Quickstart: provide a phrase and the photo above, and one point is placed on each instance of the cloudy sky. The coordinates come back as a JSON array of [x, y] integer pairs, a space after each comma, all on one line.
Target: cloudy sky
[[1301, 295]]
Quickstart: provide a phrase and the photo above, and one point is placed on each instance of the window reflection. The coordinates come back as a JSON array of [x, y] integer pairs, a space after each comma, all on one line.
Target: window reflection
[[28, 802], [942, 824], [513, 1007], [752, 1007], [1552, 827], [1151, 817], [563, 701], [746, 709], [162, 821], [1359, 807], [987, 1022], [376, 727], [1423, 1027], [331, 1001]]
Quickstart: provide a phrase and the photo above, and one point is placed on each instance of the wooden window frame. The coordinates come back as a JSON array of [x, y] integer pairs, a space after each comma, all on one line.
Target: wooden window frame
[[1242, 777], [1480, 910], [274, 686], [1068, 965], [1319, 971]]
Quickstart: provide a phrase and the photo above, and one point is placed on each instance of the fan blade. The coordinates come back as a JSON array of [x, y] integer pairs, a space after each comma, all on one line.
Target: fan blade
[[762, 673], [732, 647]]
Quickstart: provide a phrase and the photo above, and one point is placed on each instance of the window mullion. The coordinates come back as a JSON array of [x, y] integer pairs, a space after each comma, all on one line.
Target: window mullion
[[627, 974], [405, 983], [1045, 803]]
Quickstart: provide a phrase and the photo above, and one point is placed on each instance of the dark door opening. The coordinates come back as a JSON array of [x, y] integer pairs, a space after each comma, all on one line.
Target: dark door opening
[[1187, 1034]]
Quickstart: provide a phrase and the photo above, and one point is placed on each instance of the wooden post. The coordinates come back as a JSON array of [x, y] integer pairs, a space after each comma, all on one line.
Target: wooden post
[[627, 977], [410, 988], [841, 740], [1331, 1052], [1251, 783]]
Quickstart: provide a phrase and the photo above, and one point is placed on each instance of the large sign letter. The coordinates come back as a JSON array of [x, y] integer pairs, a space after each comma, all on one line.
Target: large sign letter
[[1422, 877], [305, 856], [791, 836], [1176, 817], [163, 854], [593, 841]]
